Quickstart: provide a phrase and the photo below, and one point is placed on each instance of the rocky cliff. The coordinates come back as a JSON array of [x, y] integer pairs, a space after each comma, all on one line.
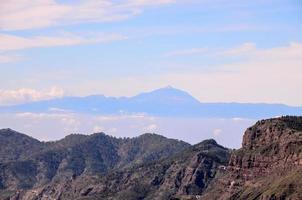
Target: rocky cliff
[[268, 166]]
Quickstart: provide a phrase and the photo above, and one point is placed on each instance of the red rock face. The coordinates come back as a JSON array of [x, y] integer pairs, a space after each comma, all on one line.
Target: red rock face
[[271, 153], [268, 144], [267, 132]]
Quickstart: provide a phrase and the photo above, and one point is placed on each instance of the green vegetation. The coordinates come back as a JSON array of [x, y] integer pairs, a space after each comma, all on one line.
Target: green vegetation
[[293, 122], [153, 167]]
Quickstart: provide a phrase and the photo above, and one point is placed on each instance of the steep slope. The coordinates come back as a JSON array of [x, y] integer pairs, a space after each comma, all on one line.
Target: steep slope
[[268, 166], [182, 176], [148, 147], [78, 154], [151, 167], [14, 145]]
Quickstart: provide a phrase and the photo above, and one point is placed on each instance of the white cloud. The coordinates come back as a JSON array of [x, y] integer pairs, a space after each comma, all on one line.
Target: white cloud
[[293, 51], [217, 132], [286, 53], [11, 42], [24, 14], [51, 125], [54, 126], [98, 129], [122, 117], [187, 52], [238, 119], [23, 95], [28, 14], [243, 49], [150, 128], [58, 110], [112, 131], [69, 121]]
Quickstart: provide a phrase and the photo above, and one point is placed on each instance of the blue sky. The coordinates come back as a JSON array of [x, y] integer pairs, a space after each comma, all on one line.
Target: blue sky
[[219, 51]]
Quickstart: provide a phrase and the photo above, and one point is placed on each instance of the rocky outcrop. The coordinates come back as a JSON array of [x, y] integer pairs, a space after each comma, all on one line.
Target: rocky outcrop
[[268, 145], [268, 165]]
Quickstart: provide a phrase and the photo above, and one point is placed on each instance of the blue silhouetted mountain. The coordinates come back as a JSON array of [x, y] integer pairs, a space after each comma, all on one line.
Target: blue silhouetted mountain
[[164, 102]]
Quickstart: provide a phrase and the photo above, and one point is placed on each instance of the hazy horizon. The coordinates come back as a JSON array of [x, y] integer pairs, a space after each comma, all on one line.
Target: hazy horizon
[[175, 114], [216, 51], [26, 98]]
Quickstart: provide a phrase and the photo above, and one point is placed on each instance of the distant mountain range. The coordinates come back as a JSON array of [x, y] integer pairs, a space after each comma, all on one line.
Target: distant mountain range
[[164, 102]]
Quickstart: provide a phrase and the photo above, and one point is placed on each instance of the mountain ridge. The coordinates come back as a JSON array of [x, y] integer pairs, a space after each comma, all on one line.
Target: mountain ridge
[[163, 102], [268, 166]]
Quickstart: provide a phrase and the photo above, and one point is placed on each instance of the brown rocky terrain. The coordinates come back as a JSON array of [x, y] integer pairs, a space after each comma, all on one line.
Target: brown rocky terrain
[[267, 167]]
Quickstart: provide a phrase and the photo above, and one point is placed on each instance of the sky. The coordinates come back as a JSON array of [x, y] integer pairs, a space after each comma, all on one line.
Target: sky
[[218, 50]]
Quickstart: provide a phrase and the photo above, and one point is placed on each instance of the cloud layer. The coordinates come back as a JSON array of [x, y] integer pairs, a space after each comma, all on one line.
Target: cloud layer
[[24, 95], [29, 14], [53, 126], [10, 43]]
